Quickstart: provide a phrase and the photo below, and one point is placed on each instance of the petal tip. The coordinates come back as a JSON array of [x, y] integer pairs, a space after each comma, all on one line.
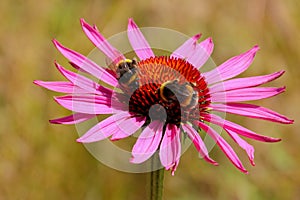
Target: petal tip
[[132, 24], [79, 140], [55, 42], [82, 21], [53, 121], [36, 82], [256, 47], [197, 36]]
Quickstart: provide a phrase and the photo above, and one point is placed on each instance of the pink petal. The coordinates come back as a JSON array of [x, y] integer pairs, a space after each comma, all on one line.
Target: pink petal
[[246, 94], [187, 49], [250, 110], [148, 142], [105, 128], [77, 67], [138, 41], [228, 125], [59, 86], [86, 64], [202, 53], [231, 67], [128, 127], [89, 104], [101, 43], [226, 148], [243, 144], [240, 83], [72, 119], [84, 82], [170, 148], [198, 143]]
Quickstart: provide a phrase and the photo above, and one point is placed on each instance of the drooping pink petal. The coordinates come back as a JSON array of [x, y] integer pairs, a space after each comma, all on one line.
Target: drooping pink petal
[[147, 143], [226, 148], [250, 110], [101, 43], [75, 118], [187, 49], [138, 41], [170, 148], [128, 127], [105, 128], [243, 144], [246, 94], [89, 104], [59, 86], [86, 64], [202, 53], [240, 83], [231, 67], [84, 82], [228, 125], [198, 143]]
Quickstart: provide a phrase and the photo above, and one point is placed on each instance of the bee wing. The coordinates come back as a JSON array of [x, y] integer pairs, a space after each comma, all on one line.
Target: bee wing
[[183, 91]]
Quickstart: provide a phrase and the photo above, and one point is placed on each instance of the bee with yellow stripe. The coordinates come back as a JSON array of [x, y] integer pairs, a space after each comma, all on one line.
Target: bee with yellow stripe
[[185, 94], [127, 74]]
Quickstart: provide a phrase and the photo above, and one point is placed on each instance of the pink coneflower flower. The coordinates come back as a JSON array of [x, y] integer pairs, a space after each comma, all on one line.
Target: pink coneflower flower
[[165, 96]]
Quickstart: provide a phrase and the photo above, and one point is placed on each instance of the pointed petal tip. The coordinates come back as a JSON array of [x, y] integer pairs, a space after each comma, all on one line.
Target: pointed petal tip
[[132, 24], [131, 160], [173, 172], [291, 121], [255, 47], [55, 42], [79, 140], [272, 140], [83, 23], [197, 36], [253, 50], [215, 163], [36, 82], [84, 140], [113, 139], [58, 66], [54, 121], [134, 160]]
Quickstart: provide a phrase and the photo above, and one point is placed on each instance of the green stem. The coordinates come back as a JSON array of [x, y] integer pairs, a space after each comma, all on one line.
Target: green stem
[[157, 180]]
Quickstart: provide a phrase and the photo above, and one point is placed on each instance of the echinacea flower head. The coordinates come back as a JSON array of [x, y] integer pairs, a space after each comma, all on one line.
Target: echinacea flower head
[[168, 97]]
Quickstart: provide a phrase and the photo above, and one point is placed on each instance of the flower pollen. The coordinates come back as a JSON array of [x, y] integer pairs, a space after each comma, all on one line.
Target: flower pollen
[[153, 73]]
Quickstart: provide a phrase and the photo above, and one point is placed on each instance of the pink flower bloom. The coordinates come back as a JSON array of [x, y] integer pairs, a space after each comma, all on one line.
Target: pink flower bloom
[[165, 96]]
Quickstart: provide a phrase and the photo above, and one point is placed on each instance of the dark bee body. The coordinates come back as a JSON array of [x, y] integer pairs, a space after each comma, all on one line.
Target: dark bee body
[[127, 74], [185, 94]]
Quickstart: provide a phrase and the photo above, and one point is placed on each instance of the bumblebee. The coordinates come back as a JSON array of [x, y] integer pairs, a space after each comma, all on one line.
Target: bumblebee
[[127, 74], [185, 94]]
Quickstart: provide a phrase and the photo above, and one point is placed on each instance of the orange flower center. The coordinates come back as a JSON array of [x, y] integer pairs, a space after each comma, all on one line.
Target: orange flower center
[[165, 88]]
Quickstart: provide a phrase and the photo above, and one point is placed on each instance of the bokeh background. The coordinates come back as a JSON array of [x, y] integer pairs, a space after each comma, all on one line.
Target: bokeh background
[[42, 161]]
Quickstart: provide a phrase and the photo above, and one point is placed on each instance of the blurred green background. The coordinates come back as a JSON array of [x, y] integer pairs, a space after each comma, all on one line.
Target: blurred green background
[[42, 161]]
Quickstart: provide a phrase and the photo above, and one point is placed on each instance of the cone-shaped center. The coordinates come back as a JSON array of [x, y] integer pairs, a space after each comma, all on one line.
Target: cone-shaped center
[[173, 83]]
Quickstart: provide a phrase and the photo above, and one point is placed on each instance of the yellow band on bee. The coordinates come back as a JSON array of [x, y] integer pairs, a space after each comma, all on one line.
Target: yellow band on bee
[[124, 61], [161, 91]]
